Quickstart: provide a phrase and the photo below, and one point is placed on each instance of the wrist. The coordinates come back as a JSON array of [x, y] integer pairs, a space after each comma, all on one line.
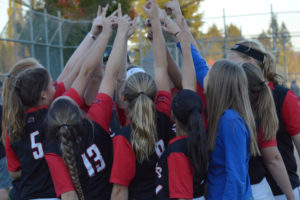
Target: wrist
[[91, 35]]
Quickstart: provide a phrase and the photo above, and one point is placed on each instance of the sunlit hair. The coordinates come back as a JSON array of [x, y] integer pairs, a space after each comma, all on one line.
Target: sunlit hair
[[8, 85], [140, 91], [262, 102], [25, 92], [187, 107], [268, 66], [64, 123], [227, 88]]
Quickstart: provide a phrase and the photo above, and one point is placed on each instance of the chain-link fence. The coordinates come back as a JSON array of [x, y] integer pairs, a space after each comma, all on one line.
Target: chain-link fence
[[52, 40]]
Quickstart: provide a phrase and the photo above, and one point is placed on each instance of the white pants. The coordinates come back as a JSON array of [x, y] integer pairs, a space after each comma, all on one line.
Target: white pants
[[296, 193], [262, 191], [199, 198]]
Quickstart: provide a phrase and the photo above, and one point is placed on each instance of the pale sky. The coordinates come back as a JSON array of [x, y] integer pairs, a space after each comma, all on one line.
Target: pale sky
[[251, 25]]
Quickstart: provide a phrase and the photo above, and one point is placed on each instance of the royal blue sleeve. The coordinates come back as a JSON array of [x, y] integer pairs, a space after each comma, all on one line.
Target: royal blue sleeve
[[200, 65], [233, 135]]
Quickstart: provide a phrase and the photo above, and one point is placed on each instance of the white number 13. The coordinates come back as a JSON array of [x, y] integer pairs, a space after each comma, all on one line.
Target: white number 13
[[93, 151]]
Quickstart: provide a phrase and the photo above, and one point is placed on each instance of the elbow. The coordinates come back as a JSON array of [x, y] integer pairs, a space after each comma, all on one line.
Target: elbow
[[275, 161], [15, 175]]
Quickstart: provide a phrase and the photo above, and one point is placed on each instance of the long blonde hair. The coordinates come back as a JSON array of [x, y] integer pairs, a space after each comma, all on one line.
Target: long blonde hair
[[268, 66], [8, 86], [227, 88], [262, 102], [140, 91]]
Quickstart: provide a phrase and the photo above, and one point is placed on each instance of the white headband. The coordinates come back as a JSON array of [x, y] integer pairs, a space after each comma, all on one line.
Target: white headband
[[133, 71]]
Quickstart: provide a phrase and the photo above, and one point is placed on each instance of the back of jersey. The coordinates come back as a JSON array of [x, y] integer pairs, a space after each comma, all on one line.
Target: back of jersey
[[94, 156], [35, 181]]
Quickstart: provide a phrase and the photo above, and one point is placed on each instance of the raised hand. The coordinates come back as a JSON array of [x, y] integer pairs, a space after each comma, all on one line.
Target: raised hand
[[184, 34], [108, 21], [151, 10], [97, 23], [174, 7], [132, 28], [123, 22], [170, 26]]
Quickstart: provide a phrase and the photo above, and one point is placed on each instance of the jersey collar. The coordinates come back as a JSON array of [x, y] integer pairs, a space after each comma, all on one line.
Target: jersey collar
[[33, 109]]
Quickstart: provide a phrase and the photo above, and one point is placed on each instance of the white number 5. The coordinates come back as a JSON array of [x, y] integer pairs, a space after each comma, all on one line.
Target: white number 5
[[38, 152]]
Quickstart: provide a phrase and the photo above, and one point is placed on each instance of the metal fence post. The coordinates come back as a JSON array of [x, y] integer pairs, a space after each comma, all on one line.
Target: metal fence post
[[225, 35], [31, 32], [15, 32], [46, 41], [140, 39], [61, 52]]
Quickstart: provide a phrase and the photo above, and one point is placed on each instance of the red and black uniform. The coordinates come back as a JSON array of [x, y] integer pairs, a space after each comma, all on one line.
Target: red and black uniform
[[126, 170], [175, 174], [93, 150], [288, 112], [27, 154], [257, 170]]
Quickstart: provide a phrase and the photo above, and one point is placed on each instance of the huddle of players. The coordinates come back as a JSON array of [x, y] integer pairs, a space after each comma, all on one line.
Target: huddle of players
[[57, 138]]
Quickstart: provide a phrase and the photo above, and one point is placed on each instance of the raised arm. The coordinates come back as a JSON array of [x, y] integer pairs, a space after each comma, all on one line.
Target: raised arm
[[73, 65], [95, 57], [174, 7], [160, 57], [121, 79], [114, 62], [188, 70]]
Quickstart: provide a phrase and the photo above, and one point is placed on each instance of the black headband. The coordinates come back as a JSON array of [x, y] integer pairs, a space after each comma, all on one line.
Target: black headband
[[249, 51]]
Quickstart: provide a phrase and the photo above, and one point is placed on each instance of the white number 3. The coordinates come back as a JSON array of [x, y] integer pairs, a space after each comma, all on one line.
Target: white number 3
[[38, 152]]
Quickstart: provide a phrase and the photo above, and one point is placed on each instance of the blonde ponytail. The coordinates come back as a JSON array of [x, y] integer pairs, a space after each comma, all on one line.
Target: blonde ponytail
[[140, 91]]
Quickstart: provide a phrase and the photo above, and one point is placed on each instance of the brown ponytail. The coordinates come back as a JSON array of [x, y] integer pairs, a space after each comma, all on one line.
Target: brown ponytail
[[8, 86], [140, 91], [262, 102], [26, 93]]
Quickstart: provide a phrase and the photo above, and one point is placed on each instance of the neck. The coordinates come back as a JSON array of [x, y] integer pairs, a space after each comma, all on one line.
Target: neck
[[179, 130]]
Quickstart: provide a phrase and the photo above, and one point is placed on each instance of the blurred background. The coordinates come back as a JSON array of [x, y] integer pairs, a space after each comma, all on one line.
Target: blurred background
[[50, 30]]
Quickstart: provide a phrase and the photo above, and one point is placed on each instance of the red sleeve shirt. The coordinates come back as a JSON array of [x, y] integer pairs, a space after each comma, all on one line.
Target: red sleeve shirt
[[59, 173], [291, 113], [180, 176], [163, 102], [122, 117], [73, 94], [59, 89], [124, 162], [262, 143], [13, 163], [101, 111]]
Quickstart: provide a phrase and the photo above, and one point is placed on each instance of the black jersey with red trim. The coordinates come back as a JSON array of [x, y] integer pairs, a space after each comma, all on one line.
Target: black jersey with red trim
[[126, 170], [288, 112], [94, 154], [175, 174], [35, 181], [257, 170]]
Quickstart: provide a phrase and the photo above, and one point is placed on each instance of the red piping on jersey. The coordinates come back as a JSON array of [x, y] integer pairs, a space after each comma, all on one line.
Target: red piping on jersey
[[33, 109], [177, 138]]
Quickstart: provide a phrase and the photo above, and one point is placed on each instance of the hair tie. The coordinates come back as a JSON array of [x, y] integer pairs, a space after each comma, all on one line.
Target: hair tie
[[140, 93], [64, 125]]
